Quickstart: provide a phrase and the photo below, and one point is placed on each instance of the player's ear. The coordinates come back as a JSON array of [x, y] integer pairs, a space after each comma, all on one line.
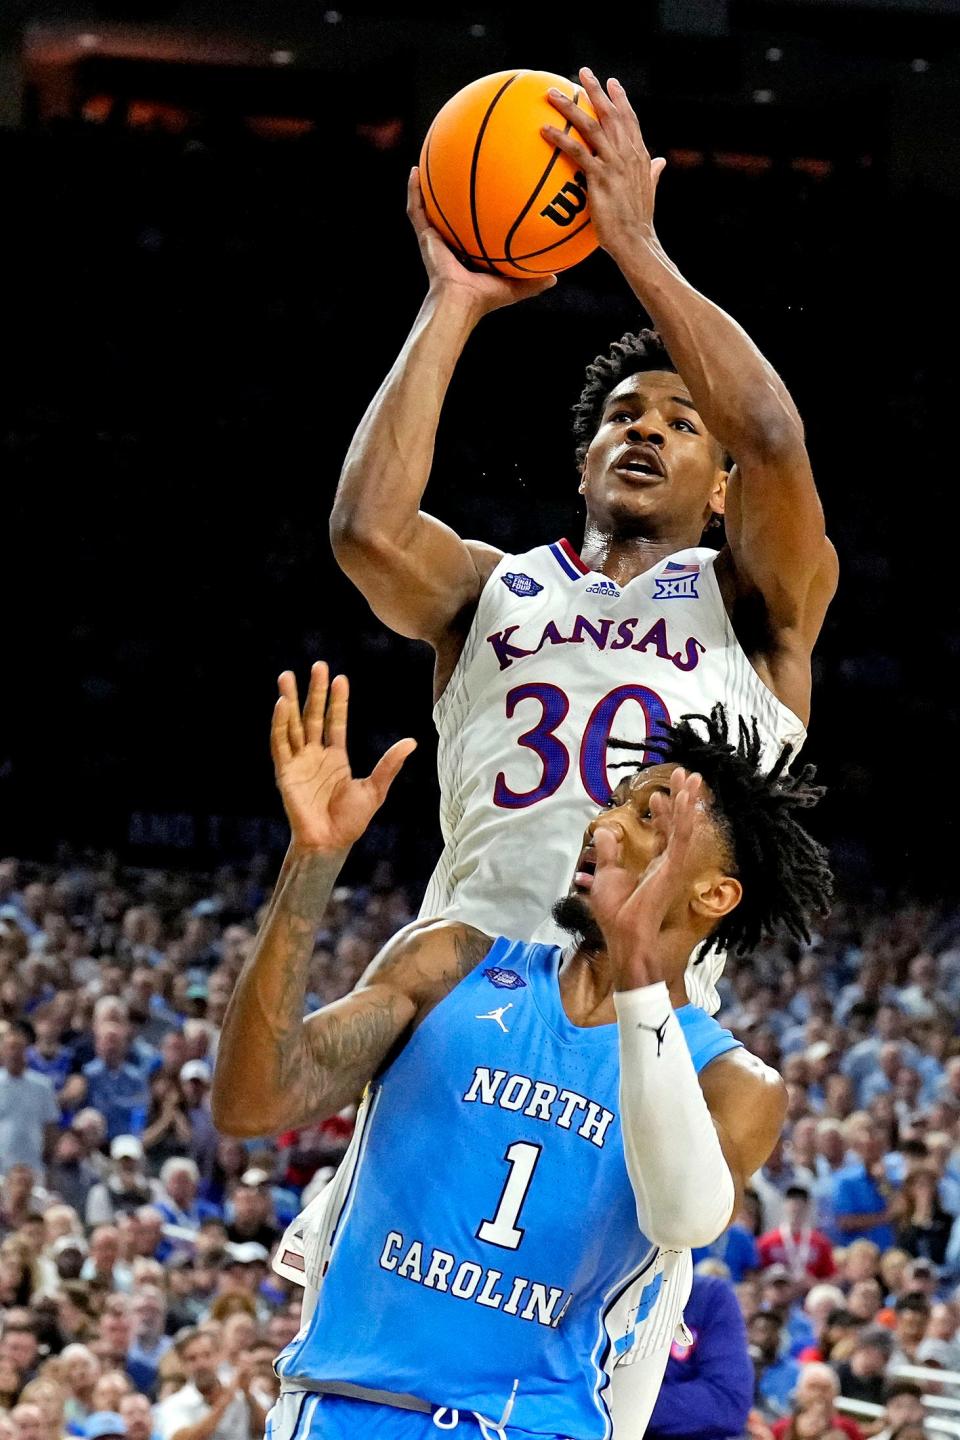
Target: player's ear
[[718, 495], [715, 895]]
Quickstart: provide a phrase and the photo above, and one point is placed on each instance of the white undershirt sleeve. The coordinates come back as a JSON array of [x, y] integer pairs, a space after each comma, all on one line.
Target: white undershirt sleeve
[[680, 1177]]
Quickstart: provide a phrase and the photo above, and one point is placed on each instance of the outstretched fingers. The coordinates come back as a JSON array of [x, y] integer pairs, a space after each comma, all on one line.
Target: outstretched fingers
[[287, 684], [279, 734], [388, 767], [315, 708], [335, 733]]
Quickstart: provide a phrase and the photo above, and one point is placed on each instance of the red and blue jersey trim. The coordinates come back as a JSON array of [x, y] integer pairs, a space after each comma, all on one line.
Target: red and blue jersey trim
[[568, 560]]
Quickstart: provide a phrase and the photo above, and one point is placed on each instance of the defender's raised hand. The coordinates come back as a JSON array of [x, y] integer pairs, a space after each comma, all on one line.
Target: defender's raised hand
[[621, 177], [327, 807], [631, 909]]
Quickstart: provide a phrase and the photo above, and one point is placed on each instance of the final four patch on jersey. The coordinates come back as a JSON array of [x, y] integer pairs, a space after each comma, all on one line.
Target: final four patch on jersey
[[603, 587], [505, 979], [521, 584], [677, 582]]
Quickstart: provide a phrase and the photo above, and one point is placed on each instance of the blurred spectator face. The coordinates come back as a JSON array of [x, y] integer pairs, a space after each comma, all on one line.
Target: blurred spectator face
[[943, 1321], [116, 1328], [911, 1325], [18, 1185], [862, 1260], [110, 1042], [105, 1247], [865, 1300], [196, 1037], [907, 1085], [20, 1348], [869, 1360], [148, 1231], [49, 1399], [893, 1265], [280, 1331], [239, 1333], [812, 1421], [91, 1127], [920, 1278], [68, 1149], [817, 1383], [173, 1051], [149, 1314], [13, 1051], [32, 1232], [80, 1369], [764, 1334], [10, 1383], [235, 945], [251, 1205], [778, 1294], [62, 1219], [35, 900], [796, 1211], [28, 1422], [830, 1143], [110, 1390], [200, 1359], [838, 1096], [181, 1186], [212, 1237], [137, 1415], [903, 1410], [748, 1298]]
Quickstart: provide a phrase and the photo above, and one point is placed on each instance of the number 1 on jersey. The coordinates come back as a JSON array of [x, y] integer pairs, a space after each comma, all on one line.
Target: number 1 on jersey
[[503, 1230]]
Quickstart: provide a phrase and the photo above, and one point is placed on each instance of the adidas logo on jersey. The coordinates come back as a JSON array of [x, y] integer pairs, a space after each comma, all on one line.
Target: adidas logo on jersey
[[603, 587], [521, 584]]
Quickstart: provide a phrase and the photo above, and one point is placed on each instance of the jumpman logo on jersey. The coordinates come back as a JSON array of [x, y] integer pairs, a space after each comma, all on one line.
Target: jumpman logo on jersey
[[498, 1016], [659, 1030]]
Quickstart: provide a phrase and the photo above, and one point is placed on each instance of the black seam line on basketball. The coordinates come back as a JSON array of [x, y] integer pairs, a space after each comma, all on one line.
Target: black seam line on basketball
[[532, 254], [476, 160], [540, 184], [433, 194]]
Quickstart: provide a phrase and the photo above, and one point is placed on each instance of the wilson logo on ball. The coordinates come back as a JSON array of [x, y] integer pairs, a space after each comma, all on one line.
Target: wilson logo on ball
[[500, 195], [568, 202]]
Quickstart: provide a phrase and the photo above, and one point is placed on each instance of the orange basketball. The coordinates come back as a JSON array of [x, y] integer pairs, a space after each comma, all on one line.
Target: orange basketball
[[500, 195]]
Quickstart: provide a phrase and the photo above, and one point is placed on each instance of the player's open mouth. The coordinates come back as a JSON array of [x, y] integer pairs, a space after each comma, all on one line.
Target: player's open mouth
[[586, 868], [640, 462]]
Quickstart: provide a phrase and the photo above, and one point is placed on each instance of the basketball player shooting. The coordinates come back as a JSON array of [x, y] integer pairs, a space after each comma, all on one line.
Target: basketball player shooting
[[544, 1134], [540, 656]]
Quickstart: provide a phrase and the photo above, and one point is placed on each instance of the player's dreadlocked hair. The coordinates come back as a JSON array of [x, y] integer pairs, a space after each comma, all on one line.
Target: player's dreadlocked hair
[[785, 873], [626, 356]]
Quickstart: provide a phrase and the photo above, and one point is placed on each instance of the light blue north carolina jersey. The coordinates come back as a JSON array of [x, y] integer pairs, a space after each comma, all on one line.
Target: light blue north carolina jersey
[[490, 1226]]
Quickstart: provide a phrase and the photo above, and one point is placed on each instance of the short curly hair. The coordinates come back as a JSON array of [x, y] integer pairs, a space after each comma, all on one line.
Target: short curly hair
[[626, 356], [784, 871]]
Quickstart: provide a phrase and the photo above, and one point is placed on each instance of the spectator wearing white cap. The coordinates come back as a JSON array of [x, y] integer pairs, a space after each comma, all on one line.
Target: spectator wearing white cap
[[126, 1187], [178, 1201], [196, 1078]]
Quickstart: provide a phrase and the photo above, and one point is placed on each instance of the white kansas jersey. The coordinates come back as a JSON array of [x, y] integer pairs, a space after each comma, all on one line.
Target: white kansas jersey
[[558, 660]]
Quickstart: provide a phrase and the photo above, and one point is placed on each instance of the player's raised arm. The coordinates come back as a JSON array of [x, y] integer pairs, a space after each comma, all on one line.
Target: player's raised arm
[[690, 1142], [774, 519], [416, 573], [276, 1070]]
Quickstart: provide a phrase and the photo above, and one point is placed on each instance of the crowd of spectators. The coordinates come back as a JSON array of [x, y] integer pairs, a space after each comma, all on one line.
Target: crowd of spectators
[[136, 1292]]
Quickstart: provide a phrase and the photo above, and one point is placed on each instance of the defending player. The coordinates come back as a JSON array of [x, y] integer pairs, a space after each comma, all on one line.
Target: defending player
[[543, 1135], [540, 655]]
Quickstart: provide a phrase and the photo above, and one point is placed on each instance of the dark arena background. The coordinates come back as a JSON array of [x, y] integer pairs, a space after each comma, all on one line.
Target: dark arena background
[[206, 270]]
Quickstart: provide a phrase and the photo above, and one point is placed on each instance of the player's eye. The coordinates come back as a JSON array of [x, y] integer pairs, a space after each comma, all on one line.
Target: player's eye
[[621, 415], [692, 428]]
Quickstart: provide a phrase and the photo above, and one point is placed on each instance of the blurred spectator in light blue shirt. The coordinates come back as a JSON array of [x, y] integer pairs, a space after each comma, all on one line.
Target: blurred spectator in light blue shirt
[[115, 1087]]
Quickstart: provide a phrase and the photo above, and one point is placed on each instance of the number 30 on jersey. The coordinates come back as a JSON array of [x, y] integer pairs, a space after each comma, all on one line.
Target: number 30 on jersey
[[553, 754]]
